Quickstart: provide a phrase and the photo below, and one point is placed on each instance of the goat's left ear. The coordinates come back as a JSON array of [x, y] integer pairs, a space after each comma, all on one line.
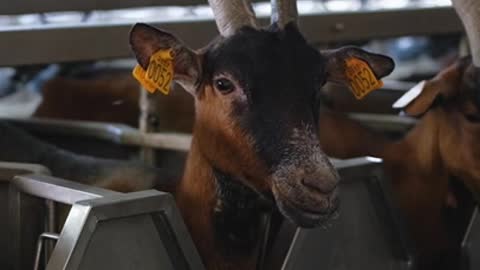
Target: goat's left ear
[[336, 68], [146, 40], [420, 98]]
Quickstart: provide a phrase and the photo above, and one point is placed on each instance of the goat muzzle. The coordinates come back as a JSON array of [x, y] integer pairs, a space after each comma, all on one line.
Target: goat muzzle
[[307, 193]]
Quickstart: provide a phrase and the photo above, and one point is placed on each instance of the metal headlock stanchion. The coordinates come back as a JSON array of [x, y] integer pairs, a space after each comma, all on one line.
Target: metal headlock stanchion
[[103, 230], [149, 123]]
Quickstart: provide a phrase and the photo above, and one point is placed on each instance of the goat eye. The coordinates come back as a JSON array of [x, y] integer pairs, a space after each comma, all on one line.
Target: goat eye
[[223, 85]]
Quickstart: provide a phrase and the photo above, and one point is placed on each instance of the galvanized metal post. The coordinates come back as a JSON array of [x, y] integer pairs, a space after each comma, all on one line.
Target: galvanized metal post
[[149, 122]]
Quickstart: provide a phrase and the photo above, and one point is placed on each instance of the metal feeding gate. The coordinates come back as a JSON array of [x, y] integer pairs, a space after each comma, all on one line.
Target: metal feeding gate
[[7, 171], [103, 230], [471, 243], [366, 235]]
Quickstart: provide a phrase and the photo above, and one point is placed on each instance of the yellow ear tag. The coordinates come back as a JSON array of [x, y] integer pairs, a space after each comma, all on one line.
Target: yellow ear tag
[[361, 78], [159, 74]]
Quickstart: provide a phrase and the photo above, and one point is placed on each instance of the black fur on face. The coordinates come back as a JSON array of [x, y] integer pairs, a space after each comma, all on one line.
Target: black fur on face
[[280, 75]]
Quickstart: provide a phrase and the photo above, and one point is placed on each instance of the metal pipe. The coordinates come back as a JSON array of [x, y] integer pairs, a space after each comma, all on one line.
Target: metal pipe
[[51, 224], [318, 28], [33, 6], [116, 133], [148, 122], [264, 235], [172, 141], [57, 189], [41, 240]]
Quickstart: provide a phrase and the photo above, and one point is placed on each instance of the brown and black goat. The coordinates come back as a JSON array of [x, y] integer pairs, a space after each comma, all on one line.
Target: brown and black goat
[[441, 152], [433, 168], [437, 155], [419, 177], [254, 138]]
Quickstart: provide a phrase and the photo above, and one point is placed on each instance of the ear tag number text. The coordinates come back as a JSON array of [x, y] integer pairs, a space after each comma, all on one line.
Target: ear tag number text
[[159, 74], [361, 78]]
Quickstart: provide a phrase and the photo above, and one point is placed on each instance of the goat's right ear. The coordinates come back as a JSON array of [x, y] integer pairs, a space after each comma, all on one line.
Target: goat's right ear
[[146, 40], [421, 97], [381, 65]]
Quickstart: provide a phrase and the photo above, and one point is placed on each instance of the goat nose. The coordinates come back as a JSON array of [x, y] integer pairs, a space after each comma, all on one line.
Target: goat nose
[[321, 184]]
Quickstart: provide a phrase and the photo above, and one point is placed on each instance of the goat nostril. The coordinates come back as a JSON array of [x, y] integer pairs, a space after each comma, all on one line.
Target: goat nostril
[[319, 185]]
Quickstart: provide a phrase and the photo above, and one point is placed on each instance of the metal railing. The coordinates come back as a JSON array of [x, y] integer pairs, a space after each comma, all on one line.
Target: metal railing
[[368, 234], [144, 228], [73, 42]]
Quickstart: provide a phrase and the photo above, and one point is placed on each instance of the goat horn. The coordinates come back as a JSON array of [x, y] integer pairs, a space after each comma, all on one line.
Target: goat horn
[[284, 11], [469, 13], [230, 15]]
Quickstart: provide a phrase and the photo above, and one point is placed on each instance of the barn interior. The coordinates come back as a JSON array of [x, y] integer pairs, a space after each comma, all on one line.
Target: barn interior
[[67, 91]]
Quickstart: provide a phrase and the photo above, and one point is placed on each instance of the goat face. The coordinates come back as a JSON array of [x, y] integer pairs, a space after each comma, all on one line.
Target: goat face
[[256, 110], [452, 100]]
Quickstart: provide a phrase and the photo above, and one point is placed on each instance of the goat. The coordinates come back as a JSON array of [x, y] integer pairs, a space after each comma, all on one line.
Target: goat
[[434, 167], [254, 141], [111, 97], [440, 147], [249, 148], [428, 163]]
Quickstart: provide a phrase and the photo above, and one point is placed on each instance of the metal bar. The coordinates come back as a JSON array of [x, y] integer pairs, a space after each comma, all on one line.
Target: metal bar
[[41, 240], [264, 236], [470, 243], [366, 208], [157, 225], [28, 6], [115, 133], [148, 122], [103, 131], [32, 6], [396, 85], [26, 221], [50, 224], [57, 189], [349, 26], [27, 206], [122, 134], [172, 141], [8, 170], [111, 39], [385, 122]]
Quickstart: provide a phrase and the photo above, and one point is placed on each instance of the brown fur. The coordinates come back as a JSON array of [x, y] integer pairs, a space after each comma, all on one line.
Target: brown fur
[[112, 98], [342, 137], [229, 146], [420, 185], [196, 194], [419, 179], [196, 198], [420, 165]]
